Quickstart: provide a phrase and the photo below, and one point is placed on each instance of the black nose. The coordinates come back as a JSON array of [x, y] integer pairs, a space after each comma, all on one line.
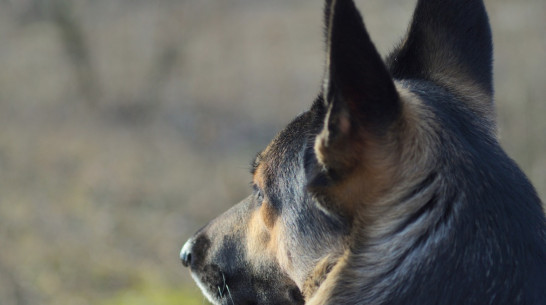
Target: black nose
[[185, 253]]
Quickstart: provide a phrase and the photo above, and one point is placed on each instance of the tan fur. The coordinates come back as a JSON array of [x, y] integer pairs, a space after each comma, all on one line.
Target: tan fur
[[324, 291], [264, 235], [269, 215], [263, 243], [319, 275]]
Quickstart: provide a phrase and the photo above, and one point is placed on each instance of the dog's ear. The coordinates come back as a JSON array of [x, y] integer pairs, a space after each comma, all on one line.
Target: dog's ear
[[359, 95], [357, 85], [449, 42]]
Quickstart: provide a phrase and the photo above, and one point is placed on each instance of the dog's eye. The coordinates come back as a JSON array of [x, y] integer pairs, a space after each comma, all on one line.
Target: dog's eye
[[258, 193]]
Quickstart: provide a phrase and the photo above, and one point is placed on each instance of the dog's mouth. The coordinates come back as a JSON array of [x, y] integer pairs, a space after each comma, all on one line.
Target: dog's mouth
[[222, 288], [212, 282]]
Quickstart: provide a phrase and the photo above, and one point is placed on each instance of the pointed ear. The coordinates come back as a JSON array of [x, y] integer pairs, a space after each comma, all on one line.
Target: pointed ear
[[359, 93], [449, 42]]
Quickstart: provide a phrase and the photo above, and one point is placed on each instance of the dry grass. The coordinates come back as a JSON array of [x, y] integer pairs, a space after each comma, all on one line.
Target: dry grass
[[100, 185]]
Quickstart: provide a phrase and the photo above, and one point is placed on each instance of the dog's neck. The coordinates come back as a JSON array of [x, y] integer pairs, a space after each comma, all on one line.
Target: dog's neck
[[394, 234]]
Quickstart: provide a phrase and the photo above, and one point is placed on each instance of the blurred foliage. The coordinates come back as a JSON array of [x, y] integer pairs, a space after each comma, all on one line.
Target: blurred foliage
[[126, 125]]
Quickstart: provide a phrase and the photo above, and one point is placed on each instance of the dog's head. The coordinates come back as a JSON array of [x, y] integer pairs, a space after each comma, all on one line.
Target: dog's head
[[367, 141], [262, 249]]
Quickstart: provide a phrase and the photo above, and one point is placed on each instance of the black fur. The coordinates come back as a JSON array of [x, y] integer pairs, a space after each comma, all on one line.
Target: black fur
[[445, 37], [358, 81]]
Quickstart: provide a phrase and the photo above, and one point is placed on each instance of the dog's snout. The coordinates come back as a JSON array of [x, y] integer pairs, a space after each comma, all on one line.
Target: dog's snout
[[185, 253], [195, 251]]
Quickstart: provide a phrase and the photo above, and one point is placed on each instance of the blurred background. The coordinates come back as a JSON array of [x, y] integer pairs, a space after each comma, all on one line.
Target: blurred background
[[126, 125]]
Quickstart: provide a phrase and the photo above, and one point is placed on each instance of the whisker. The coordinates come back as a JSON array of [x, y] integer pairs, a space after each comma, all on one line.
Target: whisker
[[230, 297], [224, 280]]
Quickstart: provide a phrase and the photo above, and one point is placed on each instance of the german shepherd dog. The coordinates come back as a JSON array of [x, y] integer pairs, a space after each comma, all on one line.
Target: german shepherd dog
[[391, 189]]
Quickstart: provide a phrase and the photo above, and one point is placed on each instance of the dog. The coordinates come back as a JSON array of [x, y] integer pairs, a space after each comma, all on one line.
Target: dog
[[391, 189]]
